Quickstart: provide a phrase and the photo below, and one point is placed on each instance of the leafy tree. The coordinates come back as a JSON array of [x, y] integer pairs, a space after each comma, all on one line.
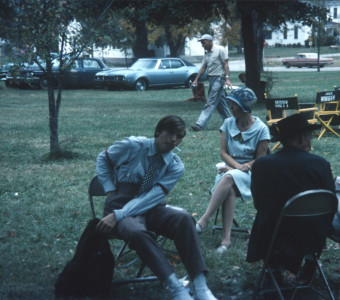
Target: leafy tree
[[254, 15], [43, 27]]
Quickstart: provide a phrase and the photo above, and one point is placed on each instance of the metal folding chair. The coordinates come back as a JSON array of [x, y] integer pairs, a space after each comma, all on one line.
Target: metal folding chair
[[96, 190], [310, 203], [236, 227]]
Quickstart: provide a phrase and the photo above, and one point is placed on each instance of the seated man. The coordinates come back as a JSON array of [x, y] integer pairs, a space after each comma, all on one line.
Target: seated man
[[336, 220], [136, 174], [278, 177]]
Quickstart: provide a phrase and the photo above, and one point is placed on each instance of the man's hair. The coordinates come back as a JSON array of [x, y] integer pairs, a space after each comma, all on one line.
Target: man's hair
[[171, 124], [287, 140]]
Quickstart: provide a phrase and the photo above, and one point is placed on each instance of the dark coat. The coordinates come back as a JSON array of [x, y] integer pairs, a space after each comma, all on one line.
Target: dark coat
[[275, 179]]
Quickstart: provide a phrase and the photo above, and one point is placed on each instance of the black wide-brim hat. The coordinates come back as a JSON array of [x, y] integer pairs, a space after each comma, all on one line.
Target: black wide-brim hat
[[293, 124]]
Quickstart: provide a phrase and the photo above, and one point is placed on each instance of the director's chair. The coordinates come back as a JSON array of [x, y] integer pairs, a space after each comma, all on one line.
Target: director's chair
[[280, 108], [328, 108]]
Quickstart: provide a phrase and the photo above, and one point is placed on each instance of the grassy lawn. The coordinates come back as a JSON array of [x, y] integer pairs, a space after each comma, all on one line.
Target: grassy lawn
[[44, 204]]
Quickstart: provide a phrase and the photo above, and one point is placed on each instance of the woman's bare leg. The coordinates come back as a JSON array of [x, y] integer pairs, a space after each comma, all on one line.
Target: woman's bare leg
[[228, 207], [219, 196]]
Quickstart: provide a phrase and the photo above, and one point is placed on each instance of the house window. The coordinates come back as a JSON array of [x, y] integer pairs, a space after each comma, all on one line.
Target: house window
[[335, 13], [285, 33], [296, 32]]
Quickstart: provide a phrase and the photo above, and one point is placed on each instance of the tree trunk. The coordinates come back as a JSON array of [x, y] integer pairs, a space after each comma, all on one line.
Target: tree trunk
[[140, 49], [53, 121], [53, 110], [251, 55], [176, 44]]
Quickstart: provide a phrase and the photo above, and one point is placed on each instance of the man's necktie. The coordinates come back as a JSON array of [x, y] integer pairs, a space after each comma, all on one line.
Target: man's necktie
[[151, 173]]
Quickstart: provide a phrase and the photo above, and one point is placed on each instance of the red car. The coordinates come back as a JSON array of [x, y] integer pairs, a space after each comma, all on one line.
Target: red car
[[306, 60]]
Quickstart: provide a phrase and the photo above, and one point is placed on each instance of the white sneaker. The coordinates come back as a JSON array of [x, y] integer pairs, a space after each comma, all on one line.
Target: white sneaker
[[206, 295]]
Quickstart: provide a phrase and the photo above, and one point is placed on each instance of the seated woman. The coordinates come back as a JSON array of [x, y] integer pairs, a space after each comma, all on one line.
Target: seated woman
[[243, 139]]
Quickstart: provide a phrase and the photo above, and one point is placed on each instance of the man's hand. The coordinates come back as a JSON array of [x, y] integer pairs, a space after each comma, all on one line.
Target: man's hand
[[107, 223], [228, 83], [194, 83]]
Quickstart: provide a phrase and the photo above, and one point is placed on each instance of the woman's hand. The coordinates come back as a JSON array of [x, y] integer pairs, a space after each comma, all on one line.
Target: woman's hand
[[224, 169], [245, 168]]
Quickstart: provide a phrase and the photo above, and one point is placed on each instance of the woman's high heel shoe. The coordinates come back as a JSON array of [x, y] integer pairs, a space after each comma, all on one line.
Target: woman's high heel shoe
[[200, 228]]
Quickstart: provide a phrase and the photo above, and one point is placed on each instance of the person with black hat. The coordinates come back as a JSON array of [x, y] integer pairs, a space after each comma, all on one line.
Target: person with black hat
[[278, 177], [215, 63]]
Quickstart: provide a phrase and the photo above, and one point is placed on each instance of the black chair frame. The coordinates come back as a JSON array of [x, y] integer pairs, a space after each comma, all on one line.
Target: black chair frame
[[96, 190], [308, 203]]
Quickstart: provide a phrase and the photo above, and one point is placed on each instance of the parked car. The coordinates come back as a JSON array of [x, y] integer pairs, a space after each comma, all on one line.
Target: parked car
[[4, 70], [306, 60], [80, 74], [150, 72]]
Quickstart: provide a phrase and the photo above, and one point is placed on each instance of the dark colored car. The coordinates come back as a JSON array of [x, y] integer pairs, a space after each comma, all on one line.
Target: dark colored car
[[306, 60], [80, 74], [4, 70], [150, 72]]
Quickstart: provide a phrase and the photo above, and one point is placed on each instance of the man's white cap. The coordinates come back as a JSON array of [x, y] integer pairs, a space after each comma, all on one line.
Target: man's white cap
[[206, 37]]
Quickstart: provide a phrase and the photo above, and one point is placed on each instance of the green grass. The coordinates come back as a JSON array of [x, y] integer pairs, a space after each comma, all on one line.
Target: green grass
[[44, 206]]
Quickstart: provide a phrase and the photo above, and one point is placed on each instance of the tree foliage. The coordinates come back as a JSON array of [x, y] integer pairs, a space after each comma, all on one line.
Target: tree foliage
[[254, 15], [43, 27]]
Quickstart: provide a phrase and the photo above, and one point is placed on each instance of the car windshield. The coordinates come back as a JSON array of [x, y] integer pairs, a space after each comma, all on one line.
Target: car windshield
[[144, 64]]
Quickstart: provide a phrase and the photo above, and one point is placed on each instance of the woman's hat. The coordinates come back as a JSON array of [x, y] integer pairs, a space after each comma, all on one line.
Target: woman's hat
[[294, 124], [244, 97]]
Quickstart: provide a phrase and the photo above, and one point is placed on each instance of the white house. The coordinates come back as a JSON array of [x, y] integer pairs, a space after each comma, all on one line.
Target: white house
[[296, 33]]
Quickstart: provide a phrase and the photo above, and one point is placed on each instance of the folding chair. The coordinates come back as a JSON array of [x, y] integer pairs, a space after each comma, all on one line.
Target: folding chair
[[328, 108], [336, 221], [310, 203], [96, 190], [236, 227]]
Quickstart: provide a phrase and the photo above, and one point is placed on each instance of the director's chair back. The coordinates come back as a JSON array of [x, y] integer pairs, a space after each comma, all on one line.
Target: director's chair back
[[328, 103], [278, 109], [312, 203]]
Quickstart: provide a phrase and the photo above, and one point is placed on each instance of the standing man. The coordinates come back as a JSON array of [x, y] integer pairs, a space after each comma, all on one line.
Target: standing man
[[275, 179], [215, 62], [137, 173]]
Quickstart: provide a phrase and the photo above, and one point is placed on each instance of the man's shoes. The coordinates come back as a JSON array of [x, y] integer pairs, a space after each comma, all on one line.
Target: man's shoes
[[306, 274], [204, 295], [196, 127]]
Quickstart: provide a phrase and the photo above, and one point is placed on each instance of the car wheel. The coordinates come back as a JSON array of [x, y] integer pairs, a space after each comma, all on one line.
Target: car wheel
[[9, 83], [287, 66], [43, 83], [190, 81], [140, 85]]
